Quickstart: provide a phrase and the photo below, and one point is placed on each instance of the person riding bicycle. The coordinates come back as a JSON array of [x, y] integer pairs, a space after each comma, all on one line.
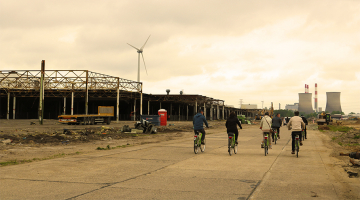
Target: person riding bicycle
[[276, 124], [231, 125], [198, 121], [295, 124], [306, 123], [265, 126]]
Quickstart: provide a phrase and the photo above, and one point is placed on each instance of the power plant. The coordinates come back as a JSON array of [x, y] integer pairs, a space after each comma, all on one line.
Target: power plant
[[305, 104], [333, 102]]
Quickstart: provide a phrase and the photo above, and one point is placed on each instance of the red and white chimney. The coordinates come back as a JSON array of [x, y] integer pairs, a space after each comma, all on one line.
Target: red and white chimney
[[316, 98], [305, 88]]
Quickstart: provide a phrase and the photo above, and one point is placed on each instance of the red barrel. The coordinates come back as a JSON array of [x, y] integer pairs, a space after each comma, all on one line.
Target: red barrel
[[163, 117]]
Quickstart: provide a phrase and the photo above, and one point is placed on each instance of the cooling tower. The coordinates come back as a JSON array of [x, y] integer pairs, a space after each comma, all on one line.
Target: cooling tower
[[305, 103], [333, 102]]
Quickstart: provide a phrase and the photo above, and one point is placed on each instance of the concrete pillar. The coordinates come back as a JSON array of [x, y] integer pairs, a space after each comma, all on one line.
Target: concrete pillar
[[148, 107], [179, 113], [196, 109], [218, 112], [87, 93], [223, 112], [135, 109], [117, 103], [8, 106], [14, 107], [141, 101], [187, 112], [64, 108], [205, 110], [160, 105], [170, 110], [211, 112], [72, 103]]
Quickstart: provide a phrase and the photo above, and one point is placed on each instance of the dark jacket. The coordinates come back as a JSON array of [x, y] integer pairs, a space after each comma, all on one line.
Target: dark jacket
[[231, 124], [304, 120], [198, 121], [276, 122]]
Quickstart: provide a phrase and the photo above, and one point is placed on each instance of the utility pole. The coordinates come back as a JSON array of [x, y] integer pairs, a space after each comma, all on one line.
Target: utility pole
[[41, 103]]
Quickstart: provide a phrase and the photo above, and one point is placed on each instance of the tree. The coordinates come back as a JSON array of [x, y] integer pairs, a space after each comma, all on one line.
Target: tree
[[337, 112], [352, 113], [284, 113]]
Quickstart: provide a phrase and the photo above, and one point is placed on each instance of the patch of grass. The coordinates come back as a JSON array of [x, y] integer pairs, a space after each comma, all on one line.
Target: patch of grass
[[340, 143], [16, 162], [321, 130], [355, 144], [109, 148], [333, 138], [340, 128], [357, 136]]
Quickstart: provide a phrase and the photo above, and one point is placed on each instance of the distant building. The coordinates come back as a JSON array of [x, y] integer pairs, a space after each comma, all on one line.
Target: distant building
[[293, 107], [248, 106], [320, 109]]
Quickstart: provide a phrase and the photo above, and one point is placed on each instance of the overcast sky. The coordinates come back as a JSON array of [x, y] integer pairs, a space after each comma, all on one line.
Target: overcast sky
[[230, 50]]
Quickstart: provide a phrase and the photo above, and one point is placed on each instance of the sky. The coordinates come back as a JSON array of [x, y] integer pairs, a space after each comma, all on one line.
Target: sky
[[232, 50]]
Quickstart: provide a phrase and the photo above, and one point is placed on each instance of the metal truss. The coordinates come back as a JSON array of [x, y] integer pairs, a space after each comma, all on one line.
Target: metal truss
[[188, 99], [60, 83]]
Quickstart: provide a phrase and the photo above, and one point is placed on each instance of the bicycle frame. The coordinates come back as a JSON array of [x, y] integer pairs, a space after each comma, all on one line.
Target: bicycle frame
[[197, 139]]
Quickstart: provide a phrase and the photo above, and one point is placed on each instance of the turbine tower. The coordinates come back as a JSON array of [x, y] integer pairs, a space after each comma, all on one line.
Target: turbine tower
[[140, 51]]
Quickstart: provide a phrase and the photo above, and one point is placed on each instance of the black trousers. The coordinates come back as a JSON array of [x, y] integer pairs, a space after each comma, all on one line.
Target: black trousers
[[293, 134], [278, 131], [201, 131], [305, 132]]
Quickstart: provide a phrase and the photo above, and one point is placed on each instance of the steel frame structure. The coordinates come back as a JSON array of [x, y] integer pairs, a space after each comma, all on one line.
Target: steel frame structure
[[61, 83]]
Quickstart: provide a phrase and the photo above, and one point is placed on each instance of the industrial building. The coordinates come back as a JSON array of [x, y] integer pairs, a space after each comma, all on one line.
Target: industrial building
[[82, 91], [305, 103], [293, 107], [333, 102]]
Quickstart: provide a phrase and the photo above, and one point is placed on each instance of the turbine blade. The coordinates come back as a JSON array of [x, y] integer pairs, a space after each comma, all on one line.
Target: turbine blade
[[144, 62], [145, 43], [133, 47]]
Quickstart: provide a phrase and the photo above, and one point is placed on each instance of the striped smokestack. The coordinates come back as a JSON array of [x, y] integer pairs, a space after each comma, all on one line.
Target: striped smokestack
[[316, 98], [305, 88]]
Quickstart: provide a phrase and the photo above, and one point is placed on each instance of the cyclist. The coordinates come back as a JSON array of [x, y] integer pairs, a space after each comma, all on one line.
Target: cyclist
[[306, 123], [265, 126], [296, 124], [276, 124], [198, 121], [231, 125]]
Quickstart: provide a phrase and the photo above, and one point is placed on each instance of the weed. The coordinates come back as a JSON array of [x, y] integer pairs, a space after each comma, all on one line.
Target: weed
[[357, 136], [340, 128], [333, 138], [340, 143]]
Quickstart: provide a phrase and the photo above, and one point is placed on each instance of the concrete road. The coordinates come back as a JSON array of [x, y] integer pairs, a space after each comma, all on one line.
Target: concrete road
[[171, 170]]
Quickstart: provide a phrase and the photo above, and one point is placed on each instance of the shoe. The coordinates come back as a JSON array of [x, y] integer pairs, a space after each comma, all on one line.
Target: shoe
[[272, 140], [236, 142], [292, 152], [202, 142], [306, 138], [301, 143], [278, 137]]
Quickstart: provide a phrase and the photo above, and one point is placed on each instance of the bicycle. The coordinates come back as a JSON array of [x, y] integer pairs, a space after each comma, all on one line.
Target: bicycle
[[275, 134], [297, 145], [266, 143], [197, 142], [232, 146], [303, 135]]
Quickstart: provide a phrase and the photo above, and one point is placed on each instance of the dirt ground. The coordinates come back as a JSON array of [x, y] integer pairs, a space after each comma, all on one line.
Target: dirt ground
[[22, 142]]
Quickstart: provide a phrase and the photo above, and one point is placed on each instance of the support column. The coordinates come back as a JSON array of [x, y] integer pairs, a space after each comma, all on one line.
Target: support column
[[72, 103], [14, 107], [170, 110], [179, 112], [160, 105], [8, 107], [135, 109], [205, 110], [64, 108], [223, 112], [87, 93], [218, 112], [196, 109], [211, 112], [148, 107], [141, 101], [41, 103], [117, 103], [187, 112]]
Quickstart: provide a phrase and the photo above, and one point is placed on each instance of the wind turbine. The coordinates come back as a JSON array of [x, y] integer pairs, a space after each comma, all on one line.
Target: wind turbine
[[140, 51]]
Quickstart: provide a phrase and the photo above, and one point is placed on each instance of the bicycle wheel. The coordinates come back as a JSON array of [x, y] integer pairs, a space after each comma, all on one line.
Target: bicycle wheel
[[297, 149], [202, 148], [265, 147], [230, 147], [196, 150], [235, 148]]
